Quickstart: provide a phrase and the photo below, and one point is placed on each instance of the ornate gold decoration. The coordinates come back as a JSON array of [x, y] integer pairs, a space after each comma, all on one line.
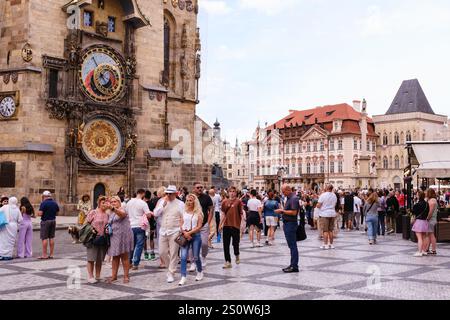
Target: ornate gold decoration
[[101, 142], [27, 53], [175, 3]]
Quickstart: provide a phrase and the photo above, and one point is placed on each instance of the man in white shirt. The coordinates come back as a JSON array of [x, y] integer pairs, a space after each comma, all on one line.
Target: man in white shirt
[[327, 205], [171, 211], [357, 203], [136, 208]]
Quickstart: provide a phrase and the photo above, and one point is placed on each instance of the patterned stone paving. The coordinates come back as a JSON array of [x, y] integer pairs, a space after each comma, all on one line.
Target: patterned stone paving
[[354, 270]]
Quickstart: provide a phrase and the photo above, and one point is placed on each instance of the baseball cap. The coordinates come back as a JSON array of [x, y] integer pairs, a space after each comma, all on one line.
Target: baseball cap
[[47, 194]]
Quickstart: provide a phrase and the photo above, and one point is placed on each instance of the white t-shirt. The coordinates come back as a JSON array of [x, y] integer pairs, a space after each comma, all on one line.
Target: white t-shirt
[[328, 201], [357, 203], [254, 205], [190, 221], [135, 209], [216, 202]]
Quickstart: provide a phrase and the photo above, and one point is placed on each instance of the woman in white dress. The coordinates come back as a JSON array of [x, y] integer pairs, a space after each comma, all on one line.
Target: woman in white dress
[[8, 233]]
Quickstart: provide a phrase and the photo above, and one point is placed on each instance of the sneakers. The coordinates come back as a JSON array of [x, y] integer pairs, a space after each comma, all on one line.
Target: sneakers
[[259, 245], [152, 257], [238, 260], [253, 245], [218, 238], [199, 276], [330, 246], [182, 281], [203, 262], [92, 281], [324, 247], [146, 257], [192, 268], [418, 254], [227, 265], [170, 278]]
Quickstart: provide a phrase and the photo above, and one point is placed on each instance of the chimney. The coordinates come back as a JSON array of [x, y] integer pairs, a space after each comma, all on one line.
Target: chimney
[[357, 105]]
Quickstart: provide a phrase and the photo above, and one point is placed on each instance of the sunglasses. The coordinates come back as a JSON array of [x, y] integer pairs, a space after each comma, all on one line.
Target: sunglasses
[[199, 187]]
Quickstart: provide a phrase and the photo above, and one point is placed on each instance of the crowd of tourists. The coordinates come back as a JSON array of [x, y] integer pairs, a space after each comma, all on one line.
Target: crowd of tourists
[[184, 224]]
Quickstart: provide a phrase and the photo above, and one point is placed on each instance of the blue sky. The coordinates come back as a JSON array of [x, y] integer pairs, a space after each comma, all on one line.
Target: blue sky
[[262, 58]]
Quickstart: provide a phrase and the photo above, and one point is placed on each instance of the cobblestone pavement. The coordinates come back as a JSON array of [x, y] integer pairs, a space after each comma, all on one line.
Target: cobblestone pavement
[[348, 272]]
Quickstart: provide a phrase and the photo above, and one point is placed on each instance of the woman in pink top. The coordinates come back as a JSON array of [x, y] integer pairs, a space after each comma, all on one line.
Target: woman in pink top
[[98, 218]]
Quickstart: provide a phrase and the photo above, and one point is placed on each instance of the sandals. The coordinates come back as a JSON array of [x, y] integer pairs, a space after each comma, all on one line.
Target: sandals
[[432, 253], [111, 280], [43, 258]]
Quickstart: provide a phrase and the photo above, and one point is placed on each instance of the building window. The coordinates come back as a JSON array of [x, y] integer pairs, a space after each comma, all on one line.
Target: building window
[[111, 24], [7, 174], [315, 146], [397, 162], [300, 169], [373, 146], [332, 145], [408, 136], [315, 167], [239, 172], [368, 146], [53, 83], [340, 167], [293, 148], [287, 148], [300, 147], [385, 139], [322, 146], [293, 168], [308, 147], [322, 167], [308, 168], [396, 138], [332, 167], [385, 163], [340, 145], [88, 18], [355, 144], [230, 166]]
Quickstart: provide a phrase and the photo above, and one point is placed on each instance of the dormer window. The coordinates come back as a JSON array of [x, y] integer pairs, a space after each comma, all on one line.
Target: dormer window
[[308, 116], [329, 113]]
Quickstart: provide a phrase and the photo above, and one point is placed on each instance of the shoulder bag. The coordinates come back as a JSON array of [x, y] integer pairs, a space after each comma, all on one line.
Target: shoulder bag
[[181, 240]]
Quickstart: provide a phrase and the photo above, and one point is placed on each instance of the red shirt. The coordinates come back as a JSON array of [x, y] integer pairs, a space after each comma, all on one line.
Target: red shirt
[[401, 200]]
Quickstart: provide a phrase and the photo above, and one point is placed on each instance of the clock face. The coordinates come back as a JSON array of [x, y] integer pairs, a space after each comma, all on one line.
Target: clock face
[[7, 107], [102, 75]]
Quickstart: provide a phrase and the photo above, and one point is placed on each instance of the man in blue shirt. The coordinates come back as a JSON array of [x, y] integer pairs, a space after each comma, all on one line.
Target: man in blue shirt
[[48, 211], [290, 225]]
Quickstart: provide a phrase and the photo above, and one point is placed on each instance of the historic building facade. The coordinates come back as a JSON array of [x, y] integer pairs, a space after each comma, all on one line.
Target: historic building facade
[[91, 93], [409, 118], [335, 144]]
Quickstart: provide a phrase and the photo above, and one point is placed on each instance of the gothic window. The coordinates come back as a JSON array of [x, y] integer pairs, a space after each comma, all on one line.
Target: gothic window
[[340, 145], [385, 139], [396, 138], [167, 30], [53, 83], [397, 162], [111, 24], [7, 174], [385, 163], [408, 136], [88, 18], [340, 166]]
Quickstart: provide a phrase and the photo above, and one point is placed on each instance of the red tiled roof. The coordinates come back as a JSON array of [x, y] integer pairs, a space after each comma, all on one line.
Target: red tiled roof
[[325, 114]]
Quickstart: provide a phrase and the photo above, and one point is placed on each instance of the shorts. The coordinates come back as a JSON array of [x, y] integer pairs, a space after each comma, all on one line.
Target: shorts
[[431, 224], [48, 229], [271, 221], [348, 216], [253, 219], [327, 224], [96, 254], [152, 223]]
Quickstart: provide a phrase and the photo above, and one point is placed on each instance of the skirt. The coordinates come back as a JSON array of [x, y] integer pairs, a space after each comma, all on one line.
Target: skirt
[[420, 226]]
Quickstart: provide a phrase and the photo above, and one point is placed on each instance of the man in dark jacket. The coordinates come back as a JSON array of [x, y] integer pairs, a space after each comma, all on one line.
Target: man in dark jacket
[[393, 208]]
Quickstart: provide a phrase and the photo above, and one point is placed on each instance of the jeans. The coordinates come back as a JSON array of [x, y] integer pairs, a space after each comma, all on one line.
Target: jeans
[[357, 220], [217, 216], [139, 240], [228, 234], [381, 223], [372, 226], [195, 244], [290, 232]]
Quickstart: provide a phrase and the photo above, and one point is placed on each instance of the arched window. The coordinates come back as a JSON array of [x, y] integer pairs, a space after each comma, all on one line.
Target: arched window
[[385, 139], [166, 73], [385, 163], [397, 162], [396, 138], [408, 136]]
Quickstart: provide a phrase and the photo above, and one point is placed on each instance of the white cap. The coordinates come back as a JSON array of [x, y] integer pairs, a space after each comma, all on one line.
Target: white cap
[[47, 194], [171, 189]]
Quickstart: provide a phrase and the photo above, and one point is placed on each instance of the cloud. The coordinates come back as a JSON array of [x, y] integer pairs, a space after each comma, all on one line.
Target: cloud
[[269, 7], [215, 7]]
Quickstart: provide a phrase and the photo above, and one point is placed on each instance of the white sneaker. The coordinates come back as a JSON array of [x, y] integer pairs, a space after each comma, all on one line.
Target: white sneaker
[[92, 280], [203, 262], [199, 276], [418, 254], [424, 253], [170, 278], [253, 244], [330, 246], [192, 268], [259, 245], [324, 247], [182, 281]]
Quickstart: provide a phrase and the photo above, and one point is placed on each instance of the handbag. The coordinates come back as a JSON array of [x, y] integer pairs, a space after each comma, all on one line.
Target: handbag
[[181, 240], [87, 234], [301, 233]]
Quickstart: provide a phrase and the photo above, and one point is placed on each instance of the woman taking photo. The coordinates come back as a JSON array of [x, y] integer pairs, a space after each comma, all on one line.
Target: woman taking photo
[[25, 242], [420, 227], [371, 213], [121, 240], [191, 225], [430, 239], [96, 253]]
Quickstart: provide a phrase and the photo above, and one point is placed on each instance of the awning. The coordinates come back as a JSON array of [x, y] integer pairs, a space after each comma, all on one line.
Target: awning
[[433, 159]]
